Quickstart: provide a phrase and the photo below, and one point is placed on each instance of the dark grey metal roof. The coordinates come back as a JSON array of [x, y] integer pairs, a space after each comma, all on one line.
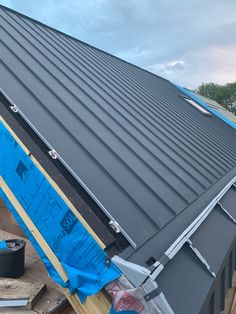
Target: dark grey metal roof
[[192, 288], [150, 160], [140, 150]]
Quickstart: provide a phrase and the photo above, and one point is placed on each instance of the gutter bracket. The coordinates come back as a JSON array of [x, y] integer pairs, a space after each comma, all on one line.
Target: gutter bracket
[[53, 154], [115, 226], [201, 258], [14, 108]]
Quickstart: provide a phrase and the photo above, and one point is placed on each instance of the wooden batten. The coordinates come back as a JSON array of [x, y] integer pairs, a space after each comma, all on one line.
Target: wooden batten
[[97, 304]]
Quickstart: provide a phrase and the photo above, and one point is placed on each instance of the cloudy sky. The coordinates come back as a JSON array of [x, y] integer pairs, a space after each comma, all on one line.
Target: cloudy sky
[[185, 41]]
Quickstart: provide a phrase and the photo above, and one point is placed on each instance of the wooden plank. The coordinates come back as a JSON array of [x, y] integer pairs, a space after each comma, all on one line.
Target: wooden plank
[[20, 289], [77, 306], [228, 301], [97, 304], [55, 186]]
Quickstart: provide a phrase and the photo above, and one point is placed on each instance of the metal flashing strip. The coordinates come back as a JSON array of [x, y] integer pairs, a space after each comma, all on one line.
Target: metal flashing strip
[[190, 230], [227, 213], [141, 276], [201, 258], [14, 302], [51, 149]]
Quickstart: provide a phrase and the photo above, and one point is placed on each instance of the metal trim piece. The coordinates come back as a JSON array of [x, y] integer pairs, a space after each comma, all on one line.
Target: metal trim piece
[[189, 231], [13, 302], [124, 233], [201, 258], [227, 213]]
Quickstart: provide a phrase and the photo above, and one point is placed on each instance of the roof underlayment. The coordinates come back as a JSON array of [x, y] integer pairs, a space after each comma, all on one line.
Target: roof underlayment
[[132, 154]]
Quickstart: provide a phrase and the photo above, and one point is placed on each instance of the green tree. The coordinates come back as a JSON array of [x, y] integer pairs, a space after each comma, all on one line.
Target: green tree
[[225, 95]]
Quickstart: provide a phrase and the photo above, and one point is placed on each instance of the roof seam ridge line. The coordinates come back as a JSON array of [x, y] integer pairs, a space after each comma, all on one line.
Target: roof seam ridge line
[[186, 234], [142, 82], [127, 131], [77, 40], [159, 95], [162, 178], [74, 174], [131, 169], [94, 52], [70, 170], [80, 47]]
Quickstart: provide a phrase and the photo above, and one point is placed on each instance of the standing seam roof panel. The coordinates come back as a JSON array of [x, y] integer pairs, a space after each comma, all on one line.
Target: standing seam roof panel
[[139, 148]]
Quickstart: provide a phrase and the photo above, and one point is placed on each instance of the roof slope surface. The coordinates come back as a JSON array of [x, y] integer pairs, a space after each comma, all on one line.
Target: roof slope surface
[[128, 137], [215, 105]]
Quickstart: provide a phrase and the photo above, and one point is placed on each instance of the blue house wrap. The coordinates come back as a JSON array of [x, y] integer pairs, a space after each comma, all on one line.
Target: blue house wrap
[[80, 255]]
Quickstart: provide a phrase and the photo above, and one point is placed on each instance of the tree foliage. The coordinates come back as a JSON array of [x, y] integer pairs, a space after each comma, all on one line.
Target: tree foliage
[[225, 95]]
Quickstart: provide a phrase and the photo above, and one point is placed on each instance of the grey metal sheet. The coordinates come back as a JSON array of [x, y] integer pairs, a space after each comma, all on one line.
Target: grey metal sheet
[[143, 153], [187, 285]]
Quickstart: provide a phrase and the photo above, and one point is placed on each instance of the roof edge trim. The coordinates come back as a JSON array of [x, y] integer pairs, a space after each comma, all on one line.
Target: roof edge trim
[[123, 232], [189, 231]]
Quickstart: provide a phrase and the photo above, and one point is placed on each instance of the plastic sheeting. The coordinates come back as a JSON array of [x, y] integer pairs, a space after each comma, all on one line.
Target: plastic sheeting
[[127, 299], [81, 256]]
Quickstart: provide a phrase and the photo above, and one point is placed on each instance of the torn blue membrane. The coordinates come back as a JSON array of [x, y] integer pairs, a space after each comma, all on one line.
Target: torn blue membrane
[[82, 258]]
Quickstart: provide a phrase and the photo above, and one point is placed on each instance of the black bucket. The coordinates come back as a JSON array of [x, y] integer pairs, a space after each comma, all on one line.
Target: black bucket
[[12, 259]]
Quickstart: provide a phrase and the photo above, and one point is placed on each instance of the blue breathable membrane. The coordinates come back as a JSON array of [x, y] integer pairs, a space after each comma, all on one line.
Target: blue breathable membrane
[[3, 245], [80, 255]]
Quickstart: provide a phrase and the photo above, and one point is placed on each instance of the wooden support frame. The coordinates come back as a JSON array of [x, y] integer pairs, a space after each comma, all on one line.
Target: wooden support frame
[[97, 304], [33, 229]]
